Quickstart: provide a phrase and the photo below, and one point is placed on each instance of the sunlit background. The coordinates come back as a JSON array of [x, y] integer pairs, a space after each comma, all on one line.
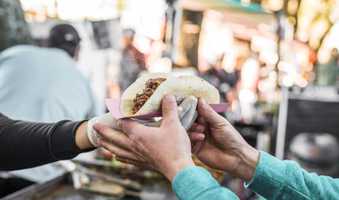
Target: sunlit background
[[253, 51]]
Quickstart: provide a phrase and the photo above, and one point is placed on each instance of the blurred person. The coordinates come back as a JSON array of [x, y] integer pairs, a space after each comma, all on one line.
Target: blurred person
[[43, 84], [65, 37], [220, 78], [41, 91], [132, 61], [217, 144], [249, 78]]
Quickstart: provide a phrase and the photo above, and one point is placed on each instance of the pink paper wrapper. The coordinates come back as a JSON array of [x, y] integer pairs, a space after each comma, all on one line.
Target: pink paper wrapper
[[113, 105]]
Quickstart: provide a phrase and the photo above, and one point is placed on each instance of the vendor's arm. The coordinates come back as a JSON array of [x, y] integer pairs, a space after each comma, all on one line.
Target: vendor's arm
[[275, 179], [27, 144]]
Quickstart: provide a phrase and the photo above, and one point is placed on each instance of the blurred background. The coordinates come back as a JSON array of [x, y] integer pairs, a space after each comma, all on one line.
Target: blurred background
[[274, 62]]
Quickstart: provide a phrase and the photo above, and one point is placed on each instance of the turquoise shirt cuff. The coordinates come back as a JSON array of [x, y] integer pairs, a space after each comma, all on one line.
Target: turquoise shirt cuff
[[268, 180], [192, 181]]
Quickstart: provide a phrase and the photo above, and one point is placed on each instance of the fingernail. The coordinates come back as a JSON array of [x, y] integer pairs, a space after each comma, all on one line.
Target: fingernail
[[203, 102], [97, 127], [169, 97], [99, 142], [119, 124]]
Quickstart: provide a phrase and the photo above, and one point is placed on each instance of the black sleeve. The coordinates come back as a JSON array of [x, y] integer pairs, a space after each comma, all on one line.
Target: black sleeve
[[27, 144]]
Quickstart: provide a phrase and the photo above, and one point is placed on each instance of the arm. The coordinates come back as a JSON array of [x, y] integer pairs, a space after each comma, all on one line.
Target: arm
[[195, 183], [26, 144], [276, 179], [270, 177]]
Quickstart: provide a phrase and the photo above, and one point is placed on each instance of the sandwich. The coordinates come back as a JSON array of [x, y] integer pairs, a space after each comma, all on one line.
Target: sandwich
[[145, 94]]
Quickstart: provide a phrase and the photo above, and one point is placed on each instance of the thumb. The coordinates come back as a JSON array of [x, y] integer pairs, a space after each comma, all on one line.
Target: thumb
[[209, 115], [169, 109]]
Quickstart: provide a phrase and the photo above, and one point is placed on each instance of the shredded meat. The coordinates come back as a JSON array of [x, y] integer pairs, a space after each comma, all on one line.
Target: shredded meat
[[150, 87]]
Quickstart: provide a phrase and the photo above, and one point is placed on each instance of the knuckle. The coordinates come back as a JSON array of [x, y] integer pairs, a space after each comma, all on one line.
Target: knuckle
[[125, 125], [136, 137], [113, 150], [171, 120], [220, 124]]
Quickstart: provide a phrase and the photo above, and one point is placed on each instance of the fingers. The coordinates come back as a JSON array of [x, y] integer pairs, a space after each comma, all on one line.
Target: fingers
[[209, 115], [201, 121], [118, 151], [108, 120], [137, 163], [113, 136], [197, 137], [132, 128], [197, 128], [169, 109], [106, 154], [197, 147]]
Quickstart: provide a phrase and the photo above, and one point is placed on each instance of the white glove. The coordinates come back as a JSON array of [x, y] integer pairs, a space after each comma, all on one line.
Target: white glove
[[106, 119]]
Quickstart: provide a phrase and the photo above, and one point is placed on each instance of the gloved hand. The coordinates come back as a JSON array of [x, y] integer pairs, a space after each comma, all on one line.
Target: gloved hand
[[107, 120]]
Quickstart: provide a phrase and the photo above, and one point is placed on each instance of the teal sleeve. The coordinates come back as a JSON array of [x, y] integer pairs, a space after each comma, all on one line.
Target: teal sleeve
[[196, 183], [285, 180]]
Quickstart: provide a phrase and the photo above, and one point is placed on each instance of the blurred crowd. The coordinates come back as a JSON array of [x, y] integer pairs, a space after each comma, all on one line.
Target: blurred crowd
[[43, 83], [41, 78]]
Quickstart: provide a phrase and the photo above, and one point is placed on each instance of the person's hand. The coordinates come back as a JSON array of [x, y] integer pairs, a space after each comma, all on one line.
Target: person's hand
[[86, 137], [223, 148], [107, 120], [166, 148]]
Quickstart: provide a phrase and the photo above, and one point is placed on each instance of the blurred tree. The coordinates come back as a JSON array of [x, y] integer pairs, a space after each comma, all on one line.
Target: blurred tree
[[313, 25], [319, 24], [13, 27], [311, 20]]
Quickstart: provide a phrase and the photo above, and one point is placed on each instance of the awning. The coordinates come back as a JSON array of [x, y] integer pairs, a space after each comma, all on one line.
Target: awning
[[223, 5], [247, 14]]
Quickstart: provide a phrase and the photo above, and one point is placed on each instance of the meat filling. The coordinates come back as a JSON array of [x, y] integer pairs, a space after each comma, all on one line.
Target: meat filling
[[150, 87]]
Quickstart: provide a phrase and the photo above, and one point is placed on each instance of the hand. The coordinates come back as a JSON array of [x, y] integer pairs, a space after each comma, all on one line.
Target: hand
[[86, 137], [166, 148], [187, 112], [223, 148], [106, 119]]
